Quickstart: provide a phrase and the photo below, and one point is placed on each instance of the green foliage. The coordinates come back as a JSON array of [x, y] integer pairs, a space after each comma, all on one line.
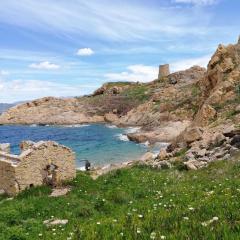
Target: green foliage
[[230, 114], [181, 153], [136, 203], [140, 93], [195, 91]]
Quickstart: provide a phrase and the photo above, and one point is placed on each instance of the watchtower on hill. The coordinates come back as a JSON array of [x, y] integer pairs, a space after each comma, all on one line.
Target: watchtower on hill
[[163, 71]]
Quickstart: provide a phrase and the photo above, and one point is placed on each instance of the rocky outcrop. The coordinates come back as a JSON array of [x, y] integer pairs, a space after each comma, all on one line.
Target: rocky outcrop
[[50, 110], [166, 133], [220, 85]]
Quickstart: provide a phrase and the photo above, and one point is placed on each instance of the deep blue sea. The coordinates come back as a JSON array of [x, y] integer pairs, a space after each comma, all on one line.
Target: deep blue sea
[[98, 143]]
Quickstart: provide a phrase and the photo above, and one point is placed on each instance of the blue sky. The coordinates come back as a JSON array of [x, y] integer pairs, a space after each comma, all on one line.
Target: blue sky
[[71, 47]]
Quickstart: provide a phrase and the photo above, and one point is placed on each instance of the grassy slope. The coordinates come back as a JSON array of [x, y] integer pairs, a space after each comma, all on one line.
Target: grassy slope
[[168, 203]]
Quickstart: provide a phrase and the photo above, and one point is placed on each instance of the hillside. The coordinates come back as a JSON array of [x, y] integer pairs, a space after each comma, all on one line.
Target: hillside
[[169, 204], [5, 106]]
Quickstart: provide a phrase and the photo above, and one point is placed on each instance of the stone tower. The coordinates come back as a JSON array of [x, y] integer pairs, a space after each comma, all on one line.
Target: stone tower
[[163, 71]]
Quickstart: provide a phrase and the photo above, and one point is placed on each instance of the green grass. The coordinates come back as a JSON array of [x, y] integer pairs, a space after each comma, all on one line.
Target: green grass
[[139, 93], [137, 203]]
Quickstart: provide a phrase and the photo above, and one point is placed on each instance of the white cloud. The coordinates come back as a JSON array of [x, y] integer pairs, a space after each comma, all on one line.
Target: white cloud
[[44, 66], [123, 21], [143, 73], [187, 63], [85, 52], [3, 73], [20, 90], [197, 2], [135, 73]]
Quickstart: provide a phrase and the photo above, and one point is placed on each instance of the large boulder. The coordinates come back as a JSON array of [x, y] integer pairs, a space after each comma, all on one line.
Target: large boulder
[[192, 134], [204, 115], [111, 117]]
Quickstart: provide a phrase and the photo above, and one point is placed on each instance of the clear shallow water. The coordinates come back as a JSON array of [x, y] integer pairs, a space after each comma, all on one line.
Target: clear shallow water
[[100, 144]]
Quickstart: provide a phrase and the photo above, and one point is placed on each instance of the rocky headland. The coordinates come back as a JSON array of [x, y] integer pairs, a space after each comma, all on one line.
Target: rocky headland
[[197, 111]]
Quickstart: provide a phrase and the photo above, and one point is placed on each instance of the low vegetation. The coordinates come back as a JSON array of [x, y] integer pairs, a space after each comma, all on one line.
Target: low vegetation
[[137, 203]]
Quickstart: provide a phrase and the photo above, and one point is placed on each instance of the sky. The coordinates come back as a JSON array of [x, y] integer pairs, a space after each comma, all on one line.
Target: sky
[[71, 47]]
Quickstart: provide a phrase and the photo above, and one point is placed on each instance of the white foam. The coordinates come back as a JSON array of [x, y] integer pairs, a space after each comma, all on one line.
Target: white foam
[[33, 125], [77, 125], [161, 145], [122, 137], [111, 126], [132, 130], [147, 143]]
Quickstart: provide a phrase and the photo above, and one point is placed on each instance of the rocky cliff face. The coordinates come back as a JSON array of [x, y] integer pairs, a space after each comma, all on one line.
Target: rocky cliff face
[[214, 132], [221, 85]]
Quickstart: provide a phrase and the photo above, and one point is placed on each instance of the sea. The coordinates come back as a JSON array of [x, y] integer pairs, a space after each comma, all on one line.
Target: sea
[[100, 144]]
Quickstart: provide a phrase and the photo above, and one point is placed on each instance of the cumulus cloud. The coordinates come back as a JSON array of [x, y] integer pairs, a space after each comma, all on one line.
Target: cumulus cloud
[[20, 90], [135, 73], [44, 66], [143, 73], [187, 63], [197, 2], [3, 73], [85, 52]]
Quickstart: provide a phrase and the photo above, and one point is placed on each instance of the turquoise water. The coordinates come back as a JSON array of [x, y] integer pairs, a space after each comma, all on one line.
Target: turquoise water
[[100, 144]]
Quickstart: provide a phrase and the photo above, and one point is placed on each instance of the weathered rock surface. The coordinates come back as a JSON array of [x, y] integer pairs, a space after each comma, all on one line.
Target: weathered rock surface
[[49, 110]]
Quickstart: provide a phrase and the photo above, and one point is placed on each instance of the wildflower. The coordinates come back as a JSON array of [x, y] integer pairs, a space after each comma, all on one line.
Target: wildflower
[[121, 233], [114, 220], [98, 223], [153, 235], [214, 219], [138, 230], [130, 202], [191, 208], [163, 237], [103, 200], [54, 233], [40, 234], [186, 218], [140, 216], [53, 229]]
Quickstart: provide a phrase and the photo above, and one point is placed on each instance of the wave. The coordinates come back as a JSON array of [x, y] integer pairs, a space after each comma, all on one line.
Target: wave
[[132, 130], [122, 137], [147, 143], [111, 126], [76, 125]]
